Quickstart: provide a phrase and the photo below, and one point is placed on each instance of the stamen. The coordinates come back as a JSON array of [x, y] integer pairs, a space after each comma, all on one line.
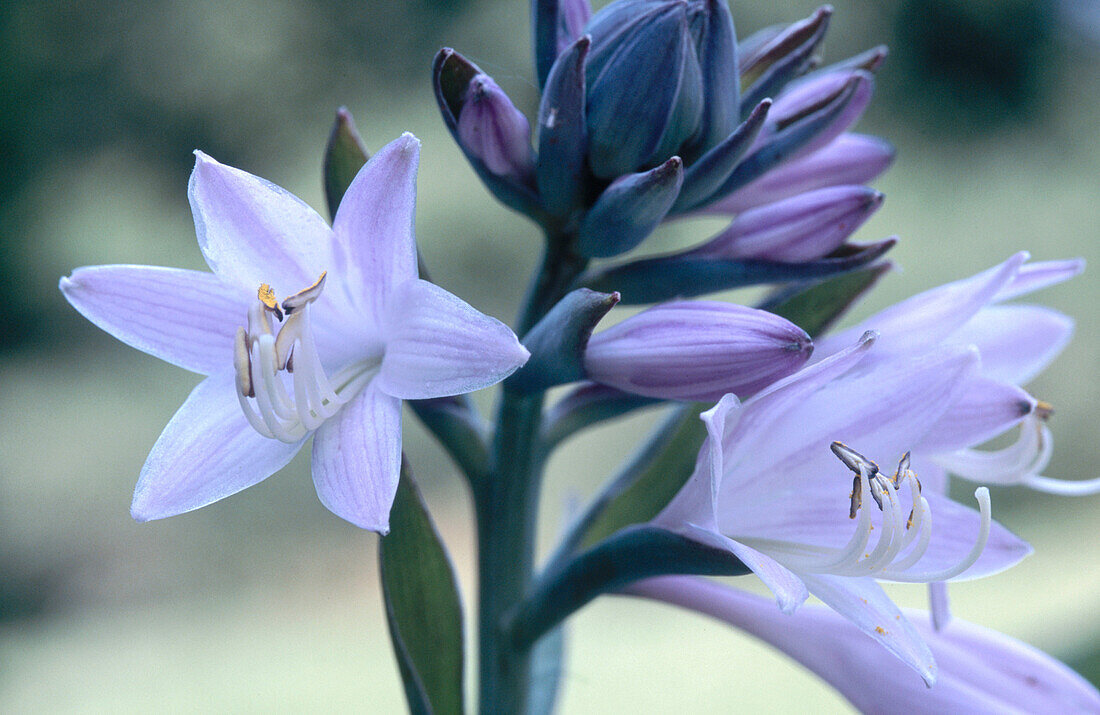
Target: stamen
[[266, 295], [289, 412], [242, 364], [305, 296]]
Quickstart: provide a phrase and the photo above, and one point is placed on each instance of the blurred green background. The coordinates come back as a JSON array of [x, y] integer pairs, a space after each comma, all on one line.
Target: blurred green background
[[267, 601]]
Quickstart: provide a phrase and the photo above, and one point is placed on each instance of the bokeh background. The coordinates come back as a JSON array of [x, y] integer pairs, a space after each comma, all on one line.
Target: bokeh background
[[266, 601]]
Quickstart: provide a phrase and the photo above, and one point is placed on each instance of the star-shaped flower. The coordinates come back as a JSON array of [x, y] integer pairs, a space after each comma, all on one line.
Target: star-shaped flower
[[301, 329]]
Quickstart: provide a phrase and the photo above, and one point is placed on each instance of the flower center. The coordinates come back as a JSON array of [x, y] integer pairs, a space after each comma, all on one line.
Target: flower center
[[911, 536], [902, 542], [266, 361]]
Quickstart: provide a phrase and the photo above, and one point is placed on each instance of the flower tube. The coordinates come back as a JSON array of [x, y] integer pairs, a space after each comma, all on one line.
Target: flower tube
[[978, 670]]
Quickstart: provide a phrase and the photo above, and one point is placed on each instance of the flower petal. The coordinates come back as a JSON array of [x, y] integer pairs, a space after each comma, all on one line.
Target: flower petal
[[207, 452], [927, 318], [187, 318], [790, 591], [1017, 342], [863, 602], [1041, 274], [979, 670], [357, 459], [438, 345], [374, 224], [984, 409], [881, 413], [252, 231]]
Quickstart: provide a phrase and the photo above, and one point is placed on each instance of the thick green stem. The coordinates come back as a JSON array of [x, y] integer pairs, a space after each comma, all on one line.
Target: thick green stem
[[506, 504]]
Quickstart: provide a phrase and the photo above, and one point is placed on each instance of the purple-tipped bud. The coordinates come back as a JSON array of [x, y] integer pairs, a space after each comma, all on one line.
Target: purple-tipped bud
[[810, 96], [493, 130], [848, 159], [800, 228], [696, 350]]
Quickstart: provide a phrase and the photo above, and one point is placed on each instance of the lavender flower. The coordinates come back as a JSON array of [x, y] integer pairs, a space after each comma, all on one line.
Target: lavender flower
[[768, 489], [355, 333], [1016, 343], [979, 670], [696, 350]]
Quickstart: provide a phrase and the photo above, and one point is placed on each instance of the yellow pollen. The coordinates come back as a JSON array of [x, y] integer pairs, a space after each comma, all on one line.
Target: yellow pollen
[[1043, 410], [880, 630], [266, 294]]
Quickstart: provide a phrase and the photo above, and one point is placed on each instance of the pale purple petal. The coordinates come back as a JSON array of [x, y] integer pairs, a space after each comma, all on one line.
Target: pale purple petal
[[863, 602], [187, 318], [207, 452], [437, 345], [374, 225], [1017, 342], [880, 413], [984, 409], [783, 397], [252, 231], [789, 589], [697, 350], [697, 500], [1035, 276], [979, 670], [357, 459], [926, 319], [848, 159]]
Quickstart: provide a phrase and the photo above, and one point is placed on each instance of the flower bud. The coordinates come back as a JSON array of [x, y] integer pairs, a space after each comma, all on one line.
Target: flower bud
[[801, 228], [645, 91], [848, 159], [697, 350], [493, 130]]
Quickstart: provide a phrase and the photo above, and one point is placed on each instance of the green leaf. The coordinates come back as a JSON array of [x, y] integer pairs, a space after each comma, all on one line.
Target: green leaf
[[649, 481], [635, 553], [344, 157], [816, 308], [422, 605]]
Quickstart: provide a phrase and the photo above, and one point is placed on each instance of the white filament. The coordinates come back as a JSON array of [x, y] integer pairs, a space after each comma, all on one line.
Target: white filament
[[896, 537], [274, 412]]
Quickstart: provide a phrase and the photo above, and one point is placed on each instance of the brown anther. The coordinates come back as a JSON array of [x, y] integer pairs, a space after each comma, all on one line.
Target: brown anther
[[306, 295], [1043, 410]]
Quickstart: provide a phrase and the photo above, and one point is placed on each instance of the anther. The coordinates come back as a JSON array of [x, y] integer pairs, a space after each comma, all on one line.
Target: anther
[[266, 295], [305, 296], [242, 363], [1043, 410]]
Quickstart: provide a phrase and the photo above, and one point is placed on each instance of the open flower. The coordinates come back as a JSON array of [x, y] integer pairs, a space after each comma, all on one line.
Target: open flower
[[1016, 343], [768, 488], [980, 670], [301, 329]]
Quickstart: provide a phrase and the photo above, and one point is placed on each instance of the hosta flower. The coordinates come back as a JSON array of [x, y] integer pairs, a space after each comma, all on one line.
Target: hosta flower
[[301, 329], [1016, 343], [789, 483], [979, 670]]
